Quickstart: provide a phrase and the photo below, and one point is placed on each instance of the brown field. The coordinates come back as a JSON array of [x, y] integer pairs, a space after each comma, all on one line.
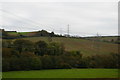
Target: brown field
[[86, 47]]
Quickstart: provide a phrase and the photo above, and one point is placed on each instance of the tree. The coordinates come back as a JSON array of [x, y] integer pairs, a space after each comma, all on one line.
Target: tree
[[55, 49], [47, 62], [7, 43], [40, 48], [23, 45], [42, 33], [30, 61], [57, 60], [35, 63], [65, 66], [51, 34], [9, 52], [15, 63], [5, 64], [4, 33]]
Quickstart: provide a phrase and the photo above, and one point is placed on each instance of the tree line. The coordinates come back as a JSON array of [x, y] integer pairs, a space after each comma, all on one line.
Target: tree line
[[25, 55], [42, 33]]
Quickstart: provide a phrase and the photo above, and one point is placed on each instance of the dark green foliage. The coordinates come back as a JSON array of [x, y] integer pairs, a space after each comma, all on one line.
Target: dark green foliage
[[47, 62], [35, 63], [52, 34], [57, 60], [4, 33], [64, 66], [7, 44], [42, 33], [5, 64], [55, 49], [23, 45], [101, 61], [40, 48], [25, 55]]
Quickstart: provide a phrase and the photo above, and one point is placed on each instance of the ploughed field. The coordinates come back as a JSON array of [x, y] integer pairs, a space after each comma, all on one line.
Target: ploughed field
[[63, 73]]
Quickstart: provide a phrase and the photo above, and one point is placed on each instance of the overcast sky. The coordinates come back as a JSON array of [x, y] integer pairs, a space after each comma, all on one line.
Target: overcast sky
[[84, 18]]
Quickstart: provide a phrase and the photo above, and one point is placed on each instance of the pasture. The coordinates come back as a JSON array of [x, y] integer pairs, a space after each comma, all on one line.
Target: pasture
[[63, 73]]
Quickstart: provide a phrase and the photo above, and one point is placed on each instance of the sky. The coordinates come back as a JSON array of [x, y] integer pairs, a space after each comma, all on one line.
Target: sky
[[84, 18]]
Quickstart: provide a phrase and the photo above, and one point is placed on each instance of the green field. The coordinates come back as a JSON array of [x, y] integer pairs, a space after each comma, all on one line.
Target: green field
[[64, 73], [86, 47], [20, 33]]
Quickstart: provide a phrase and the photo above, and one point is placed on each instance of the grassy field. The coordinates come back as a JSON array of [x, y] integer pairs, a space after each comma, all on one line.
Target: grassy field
[[86, 47], [21, 33], [13, 33], [105, 38], [109, 38], [17, 34], [64, 73]]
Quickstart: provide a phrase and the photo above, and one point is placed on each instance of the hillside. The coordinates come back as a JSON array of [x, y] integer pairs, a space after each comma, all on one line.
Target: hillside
[[86, 47], [110, 39]]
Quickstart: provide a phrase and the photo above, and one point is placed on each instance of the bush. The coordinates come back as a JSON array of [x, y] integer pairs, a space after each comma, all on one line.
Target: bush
[[65, 66], [40, 48], [24, 55], [35, 63], [23, 45], [55, 49], [9, 52], [5, 65]]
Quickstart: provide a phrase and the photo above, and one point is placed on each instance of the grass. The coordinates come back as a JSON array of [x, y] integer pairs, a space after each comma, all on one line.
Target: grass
[[105, 38], [110, 38], [64, 73], [13, 33], [86, 47], [24, 33], [18, 33]]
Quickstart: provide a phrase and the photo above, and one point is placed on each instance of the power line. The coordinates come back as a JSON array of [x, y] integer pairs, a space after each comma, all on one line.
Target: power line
[[40, 26], [68, 30], [61, 31], [23, 19]]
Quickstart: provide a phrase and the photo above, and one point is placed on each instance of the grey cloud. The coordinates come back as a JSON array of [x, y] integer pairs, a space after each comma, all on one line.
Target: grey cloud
[[84, 18]]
